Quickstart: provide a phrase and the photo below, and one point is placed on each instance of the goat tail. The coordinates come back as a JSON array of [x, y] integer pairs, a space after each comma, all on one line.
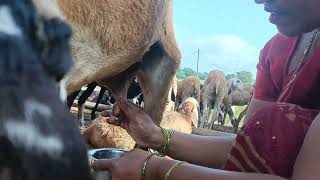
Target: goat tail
[[216, 86]]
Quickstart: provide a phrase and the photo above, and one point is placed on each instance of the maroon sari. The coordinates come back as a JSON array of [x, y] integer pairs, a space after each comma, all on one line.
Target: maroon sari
[[272, 138]]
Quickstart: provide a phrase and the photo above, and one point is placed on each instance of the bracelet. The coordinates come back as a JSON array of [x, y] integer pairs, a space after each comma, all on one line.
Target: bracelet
[[171, 169], [167, 136], [143, 172]]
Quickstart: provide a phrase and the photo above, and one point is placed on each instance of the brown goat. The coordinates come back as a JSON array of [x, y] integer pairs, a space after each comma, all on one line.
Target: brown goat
[[114, 40], [181, 121], [100, 134], [170, 105], [214, 92], [215, 89], [188, 87], [237, 98]]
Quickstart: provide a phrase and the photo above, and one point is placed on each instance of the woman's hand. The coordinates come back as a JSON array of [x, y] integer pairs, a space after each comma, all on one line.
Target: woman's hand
[[136, 122], [127, 167]]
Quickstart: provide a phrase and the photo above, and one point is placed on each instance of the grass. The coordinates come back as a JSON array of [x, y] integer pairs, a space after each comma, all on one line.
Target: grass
[[237, 111]]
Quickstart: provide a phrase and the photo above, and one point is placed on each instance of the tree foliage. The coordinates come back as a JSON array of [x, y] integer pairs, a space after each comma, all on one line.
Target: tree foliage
[[186, 72], [229, 76], [244, 76]]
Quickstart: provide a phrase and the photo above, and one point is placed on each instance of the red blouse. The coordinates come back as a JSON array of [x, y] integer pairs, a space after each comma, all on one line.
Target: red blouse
[[272, 138], [273, 75]]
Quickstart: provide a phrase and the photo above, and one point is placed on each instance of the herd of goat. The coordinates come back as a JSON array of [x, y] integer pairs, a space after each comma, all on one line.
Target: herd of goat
[[217, 94], [52, 48]]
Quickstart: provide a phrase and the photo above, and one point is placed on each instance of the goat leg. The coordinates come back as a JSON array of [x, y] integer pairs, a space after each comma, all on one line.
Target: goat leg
[[71, 98], [99, 99], [231, 115], [82, 99], [204, 118], [241, 115], [211, 118], [217, 108]]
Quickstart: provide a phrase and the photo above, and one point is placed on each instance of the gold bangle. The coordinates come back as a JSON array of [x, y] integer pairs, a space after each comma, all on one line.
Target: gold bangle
[[167, 136], [144, 168], [170, 135], [171, 169]]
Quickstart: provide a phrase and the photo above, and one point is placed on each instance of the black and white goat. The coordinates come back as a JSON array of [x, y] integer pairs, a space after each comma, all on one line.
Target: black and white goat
[[38, 138]]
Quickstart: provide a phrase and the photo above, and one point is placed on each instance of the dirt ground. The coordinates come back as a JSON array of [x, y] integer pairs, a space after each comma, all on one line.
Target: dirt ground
[[87, 115], [216, 128]]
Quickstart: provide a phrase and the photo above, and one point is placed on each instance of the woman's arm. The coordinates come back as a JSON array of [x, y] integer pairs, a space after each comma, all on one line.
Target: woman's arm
[[159, 167], [205, 151], [307, 165], [129, 167], [265, 90], [208, 151]]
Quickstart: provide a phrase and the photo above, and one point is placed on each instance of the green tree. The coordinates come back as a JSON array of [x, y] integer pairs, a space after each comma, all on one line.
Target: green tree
[[203, 76], [245, 76], [179, 74], [229, 76], [186, 72], [189, 72]]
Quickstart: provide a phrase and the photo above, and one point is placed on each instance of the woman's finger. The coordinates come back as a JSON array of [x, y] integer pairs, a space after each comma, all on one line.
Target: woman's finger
[[122, 124], [117, 122], [111, 120], [102, 165], [116, 110], [105, 113], [127, 108]]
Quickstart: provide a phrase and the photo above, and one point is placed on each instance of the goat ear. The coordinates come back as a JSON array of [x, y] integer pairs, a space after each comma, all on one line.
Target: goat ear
[[54, 37]]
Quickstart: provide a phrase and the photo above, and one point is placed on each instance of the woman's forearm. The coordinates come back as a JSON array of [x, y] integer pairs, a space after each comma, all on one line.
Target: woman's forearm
[[208, 151], [160, 166]]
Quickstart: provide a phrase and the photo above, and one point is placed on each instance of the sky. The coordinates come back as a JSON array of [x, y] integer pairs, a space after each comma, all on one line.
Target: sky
[[229, 34]]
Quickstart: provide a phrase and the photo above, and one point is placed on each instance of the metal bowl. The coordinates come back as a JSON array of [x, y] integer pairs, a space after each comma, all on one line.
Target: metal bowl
[[104, 153]]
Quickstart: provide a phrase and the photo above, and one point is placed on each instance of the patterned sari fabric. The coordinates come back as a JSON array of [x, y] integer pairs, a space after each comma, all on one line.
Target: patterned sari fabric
[[272, 138]]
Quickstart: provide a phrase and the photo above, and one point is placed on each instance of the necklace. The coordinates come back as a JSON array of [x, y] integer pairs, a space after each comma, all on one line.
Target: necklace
[[307, 51], [301, 62]]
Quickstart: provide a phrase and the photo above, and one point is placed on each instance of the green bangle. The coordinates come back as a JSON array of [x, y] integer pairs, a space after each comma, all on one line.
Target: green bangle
[[171, 169], [167, 136], [144, 168], [170, 135]]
